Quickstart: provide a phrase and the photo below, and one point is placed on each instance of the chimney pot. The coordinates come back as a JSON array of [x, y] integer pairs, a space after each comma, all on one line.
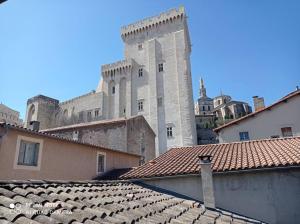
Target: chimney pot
[[35, 125], [205, 159]]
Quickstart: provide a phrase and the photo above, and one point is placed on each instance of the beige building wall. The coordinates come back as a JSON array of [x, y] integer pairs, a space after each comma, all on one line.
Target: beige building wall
[[59, 159], [266, 123]]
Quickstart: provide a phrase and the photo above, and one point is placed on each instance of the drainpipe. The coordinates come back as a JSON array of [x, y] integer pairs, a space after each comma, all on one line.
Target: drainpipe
[[207, 181]]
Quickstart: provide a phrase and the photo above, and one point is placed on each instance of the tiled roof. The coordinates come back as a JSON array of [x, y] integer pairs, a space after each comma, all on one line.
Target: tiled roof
[[53, 136], [282, 100], [102, 202], [267, 153]]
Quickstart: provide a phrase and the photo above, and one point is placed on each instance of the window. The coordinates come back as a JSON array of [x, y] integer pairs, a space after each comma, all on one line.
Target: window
[[244, 136], [89, 114], [169, 132], [113, 90], [286, 132], [159, 101], [28, 153], [96, 113], [141, 72], [208, 107], [80, 116], [140, 47], [101, 163], [203, 108], [140, 105], [160, 67]]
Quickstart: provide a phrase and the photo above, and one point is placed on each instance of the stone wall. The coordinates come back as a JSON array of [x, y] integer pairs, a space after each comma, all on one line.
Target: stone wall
[[124, 135], [50, 113], [166, 95], [9, 115]]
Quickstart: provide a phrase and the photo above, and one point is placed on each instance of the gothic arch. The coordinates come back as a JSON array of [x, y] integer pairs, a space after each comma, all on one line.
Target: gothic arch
[[31, 112], [65, 113], [111, 97], [122, 97]]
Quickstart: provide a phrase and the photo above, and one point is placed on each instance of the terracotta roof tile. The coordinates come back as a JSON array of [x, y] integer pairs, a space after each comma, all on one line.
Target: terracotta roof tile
[[266, 153]]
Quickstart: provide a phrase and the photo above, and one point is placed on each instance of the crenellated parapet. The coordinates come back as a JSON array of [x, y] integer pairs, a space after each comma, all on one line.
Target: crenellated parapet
[[153, 22], [44, 99], [78, 98], [123, 66]]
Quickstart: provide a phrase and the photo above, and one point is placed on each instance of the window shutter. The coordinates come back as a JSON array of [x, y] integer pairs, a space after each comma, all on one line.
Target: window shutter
[[21, 152], [36, 154]]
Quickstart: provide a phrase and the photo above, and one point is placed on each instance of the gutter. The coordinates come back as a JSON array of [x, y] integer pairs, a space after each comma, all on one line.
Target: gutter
[[216, 173]]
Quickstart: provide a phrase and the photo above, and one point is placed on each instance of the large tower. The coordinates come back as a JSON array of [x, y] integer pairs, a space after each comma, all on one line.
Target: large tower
[[158, 49]]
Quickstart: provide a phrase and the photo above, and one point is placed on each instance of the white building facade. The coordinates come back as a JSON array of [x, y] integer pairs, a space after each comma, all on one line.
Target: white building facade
[[154, 80], [281, 119]]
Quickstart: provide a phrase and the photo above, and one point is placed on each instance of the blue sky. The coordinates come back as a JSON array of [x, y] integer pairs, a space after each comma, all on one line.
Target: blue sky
[[56, 47]]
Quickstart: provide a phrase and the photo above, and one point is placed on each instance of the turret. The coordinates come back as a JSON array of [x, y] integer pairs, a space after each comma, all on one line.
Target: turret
[[40, 108]]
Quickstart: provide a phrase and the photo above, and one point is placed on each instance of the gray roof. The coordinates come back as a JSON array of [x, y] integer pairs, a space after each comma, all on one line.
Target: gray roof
[[101, 202]]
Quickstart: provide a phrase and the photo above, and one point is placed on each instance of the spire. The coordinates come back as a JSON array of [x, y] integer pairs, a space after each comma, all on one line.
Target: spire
[[202, 89]]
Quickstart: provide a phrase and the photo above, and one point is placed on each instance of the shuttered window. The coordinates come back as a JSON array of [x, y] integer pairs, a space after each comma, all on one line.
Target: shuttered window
[[28, 153]]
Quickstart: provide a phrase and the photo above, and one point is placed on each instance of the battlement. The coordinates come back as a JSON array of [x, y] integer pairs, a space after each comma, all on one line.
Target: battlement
[[78, 97], [118, 66], [42, 98], [151, 22]]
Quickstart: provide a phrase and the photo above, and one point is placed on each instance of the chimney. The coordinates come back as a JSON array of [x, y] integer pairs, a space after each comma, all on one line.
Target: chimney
[[34, 125], [75, 135], [259, 103], [207, 181]]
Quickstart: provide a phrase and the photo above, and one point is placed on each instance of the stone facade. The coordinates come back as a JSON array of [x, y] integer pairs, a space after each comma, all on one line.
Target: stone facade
[[205, 119], [222, 107], [226, 109], [204, 127], [9, 115], [133, 135], [153, 80]]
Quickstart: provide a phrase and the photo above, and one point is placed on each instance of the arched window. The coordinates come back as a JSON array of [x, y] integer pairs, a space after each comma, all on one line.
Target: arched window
[[31, 112], [65, 113]]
